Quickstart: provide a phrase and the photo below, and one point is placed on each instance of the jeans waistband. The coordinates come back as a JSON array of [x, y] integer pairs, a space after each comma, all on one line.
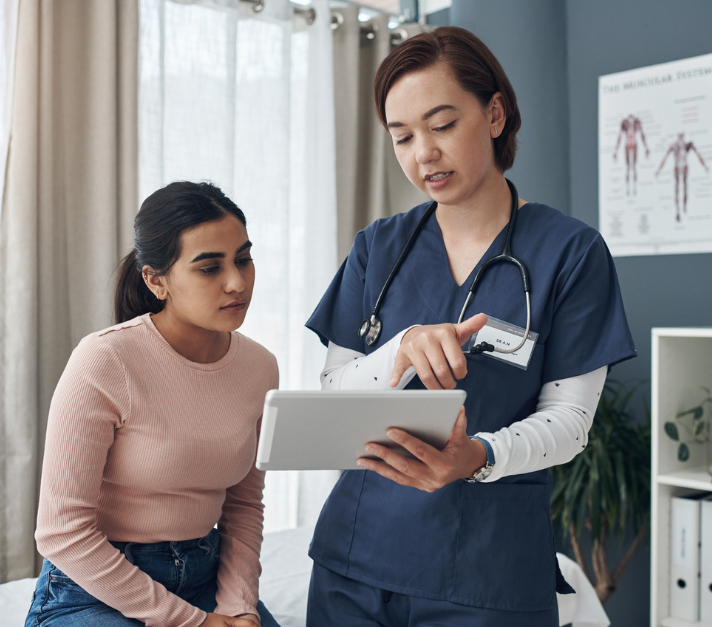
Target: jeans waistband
[[167, 546]]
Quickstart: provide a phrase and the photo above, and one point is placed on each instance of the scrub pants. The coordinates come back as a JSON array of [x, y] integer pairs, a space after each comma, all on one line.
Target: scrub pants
[[187, 568], [338, 600]]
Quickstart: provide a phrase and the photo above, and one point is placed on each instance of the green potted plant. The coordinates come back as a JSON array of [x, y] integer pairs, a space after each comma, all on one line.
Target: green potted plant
[[689, 427], [606, 487]]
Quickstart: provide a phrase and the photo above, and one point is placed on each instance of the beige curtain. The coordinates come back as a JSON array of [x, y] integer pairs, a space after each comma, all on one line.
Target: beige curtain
[[69, 202], [370, 183]]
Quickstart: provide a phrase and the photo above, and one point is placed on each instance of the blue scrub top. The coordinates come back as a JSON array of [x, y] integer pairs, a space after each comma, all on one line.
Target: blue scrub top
[[481, 544]]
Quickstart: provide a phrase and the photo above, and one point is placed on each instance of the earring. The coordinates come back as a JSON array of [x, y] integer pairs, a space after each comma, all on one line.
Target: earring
[[495, 131]]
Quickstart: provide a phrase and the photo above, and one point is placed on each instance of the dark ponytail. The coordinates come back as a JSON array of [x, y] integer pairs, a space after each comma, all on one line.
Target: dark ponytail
[[158, 226]]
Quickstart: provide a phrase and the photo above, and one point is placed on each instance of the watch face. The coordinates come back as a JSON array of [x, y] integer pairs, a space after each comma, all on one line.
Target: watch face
[[483, 473]]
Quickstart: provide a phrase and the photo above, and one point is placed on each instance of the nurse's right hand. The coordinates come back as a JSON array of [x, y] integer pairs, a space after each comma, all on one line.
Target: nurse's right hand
[[435, 351]]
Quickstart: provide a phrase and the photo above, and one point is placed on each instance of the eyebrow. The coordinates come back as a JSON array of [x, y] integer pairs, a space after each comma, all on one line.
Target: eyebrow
[[426, 115], [204, 256]]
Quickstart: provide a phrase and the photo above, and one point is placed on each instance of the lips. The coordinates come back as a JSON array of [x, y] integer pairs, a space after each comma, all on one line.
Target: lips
[[437, 176], [438, 180], [235, 306]]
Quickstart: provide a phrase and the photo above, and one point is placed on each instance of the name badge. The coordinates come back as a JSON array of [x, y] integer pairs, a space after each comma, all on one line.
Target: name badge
[[505, 336]]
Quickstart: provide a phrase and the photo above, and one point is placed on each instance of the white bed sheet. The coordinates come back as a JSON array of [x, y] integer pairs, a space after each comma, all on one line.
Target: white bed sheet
[[286, 568]]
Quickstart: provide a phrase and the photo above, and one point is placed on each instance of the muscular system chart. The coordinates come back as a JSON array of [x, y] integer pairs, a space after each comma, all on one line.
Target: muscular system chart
[[655, 158]]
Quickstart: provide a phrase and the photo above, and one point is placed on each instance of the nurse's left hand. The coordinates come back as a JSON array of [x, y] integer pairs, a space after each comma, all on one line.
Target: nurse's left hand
[[431, 469]]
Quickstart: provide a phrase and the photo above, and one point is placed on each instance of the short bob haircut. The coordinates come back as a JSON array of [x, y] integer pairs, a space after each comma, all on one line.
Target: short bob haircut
[[476, 70]]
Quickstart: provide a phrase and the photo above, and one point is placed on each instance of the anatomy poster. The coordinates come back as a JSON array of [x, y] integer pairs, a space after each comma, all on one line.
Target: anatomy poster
[[655, 158]]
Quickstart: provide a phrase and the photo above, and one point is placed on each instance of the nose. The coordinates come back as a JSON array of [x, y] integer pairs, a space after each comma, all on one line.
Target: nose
[[235, 281], [426, 150]]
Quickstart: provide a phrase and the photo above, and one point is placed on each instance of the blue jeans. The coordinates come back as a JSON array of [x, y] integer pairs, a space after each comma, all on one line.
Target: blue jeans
[[187, 568]]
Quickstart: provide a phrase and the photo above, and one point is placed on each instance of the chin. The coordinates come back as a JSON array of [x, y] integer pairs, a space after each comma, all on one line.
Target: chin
[[235, 321]]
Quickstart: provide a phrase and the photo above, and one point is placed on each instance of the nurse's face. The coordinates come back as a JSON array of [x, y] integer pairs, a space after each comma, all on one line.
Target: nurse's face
[[210, 285], [442, 135]]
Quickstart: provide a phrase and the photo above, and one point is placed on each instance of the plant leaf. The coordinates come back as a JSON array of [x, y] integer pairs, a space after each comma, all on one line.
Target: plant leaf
[[671, 431], [683, 453], [698, 428], [698, 413]]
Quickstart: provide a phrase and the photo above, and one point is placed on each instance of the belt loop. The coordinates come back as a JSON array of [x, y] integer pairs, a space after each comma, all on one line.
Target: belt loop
[[127, 552]]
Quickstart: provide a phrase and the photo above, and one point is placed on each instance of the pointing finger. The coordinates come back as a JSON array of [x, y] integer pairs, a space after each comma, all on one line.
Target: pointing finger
[[467, 327]]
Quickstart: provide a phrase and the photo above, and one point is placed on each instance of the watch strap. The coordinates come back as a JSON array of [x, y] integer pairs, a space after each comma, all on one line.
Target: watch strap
[[486, 470]]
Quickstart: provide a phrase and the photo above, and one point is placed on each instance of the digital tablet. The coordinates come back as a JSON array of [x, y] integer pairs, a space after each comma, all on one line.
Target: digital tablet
[[328, 430]]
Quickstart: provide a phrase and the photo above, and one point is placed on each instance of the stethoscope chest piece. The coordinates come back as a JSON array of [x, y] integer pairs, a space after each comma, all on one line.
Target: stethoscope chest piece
[[370, 330]]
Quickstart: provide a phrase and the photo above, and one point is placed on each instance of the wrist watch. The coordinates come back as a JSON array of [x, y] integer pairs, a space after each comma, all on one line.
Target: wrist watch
[[486, 470]]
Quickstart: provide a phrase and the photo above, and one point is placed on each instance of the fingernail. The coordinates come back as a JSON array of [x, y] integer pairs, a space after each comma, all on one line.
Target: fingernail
[[370, 449], [360, 463], [393, 434]]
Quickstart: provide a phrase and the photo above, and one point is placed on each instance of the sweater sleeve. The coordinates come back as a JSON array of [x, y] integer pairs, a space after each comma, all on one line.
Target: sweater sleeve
[[240, 528], [90, 403]]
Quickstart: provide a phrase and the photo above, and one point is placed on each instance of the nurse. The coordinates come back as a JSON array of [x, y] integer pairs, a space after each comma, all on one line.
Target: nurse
[[461, 536]]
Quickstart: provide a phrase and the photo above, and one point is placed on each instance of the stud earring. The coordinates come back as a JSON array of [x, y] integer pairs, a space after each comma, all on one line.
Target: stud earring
[[495, 131]]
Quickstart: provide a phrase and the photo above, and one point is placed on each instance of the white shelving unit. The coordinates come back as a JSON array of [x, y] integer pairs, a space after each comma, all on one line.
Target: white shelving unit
[[682, 362]]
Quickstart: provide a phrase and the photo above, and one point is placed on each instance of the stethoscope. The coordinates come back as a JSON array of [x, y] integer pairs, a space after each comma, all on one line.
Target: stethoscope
[[371, 328]]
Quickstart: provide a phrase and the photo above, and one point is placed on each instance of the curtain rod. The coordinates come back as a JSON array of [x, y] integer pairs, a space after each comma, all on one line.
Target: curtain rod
[[309, 14], [398, 35]]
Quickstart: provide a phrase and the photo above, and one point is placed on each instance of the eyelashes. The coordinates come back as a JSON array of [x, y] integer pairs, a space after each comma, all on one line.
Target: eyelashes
[[211, 270], [447, 126], [439, 129]]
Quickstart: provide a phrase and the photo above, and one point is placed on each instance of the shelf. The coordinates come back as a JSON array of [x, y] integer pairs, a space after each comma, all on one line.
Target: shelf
[[682, 332], [694, 479], [677, 622], [681, 367]]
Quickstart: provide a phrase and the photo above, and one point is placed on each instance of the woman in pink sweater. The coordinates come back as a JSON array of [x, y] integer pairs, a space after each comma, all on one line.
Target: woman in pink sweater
[[152, 436]]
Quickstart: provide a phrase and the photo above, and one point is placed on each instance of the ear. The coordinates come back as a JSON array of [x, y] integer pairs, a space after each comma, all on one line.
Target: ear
[[155, 283], [498, 117]]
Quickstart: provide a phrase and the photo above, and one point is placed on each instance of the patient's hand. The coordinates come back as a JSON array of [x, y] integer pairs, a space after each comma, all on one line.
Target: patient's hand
[[220, 620]]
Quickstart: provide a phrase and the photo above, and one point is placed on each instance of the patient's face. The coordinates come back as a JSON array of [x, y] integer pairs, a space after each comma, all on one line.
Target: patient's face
[[210, 285]]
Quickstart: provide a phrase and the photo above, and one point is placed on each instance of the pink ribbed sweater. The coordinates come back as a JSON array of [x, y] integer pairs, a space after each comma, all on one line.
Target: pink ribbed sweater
[[144, 445]]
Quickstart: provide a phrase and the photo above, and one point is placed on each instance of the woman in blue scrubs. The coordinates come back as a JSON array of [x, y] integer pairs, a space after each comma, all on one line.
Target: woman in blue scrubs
[[461, 536]]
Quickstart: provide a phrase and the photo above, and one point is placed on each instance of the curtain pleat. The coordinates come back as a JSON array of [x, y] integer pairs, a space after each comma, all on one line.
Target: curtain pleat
[[69, 202], [370, 182]]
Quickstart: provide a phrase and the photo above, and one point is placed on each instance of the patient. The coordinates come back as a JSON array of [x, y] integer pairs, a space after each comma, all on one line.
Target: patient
[[152, 436]]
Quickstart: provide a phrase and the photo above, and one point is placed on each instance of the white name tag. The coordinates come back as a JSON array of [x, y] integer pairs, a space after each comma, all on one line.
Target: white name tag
[[505, 336]]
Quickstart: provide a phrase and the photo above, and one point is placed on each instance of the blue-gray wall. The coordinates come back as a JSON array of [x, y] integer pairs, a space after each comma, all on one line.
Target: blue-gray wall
[[536, 67], [554, 51], [609, 36]]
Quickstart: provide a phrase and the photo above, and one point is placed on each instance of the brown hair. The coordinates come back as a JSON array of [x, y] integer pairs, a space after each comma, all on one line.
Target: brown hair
[[476, 70]]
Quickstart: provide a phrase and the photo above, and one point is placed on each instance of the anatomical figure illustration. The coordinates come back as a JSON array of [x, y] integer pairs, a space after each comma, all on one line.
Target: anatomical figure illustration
[[630, 127], [680, 149]]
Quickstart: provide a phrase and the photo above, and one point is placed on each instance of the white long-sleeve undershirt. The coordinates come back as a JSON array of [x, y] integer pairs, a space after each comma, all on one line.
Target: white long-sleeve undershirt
[[554, 434]]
